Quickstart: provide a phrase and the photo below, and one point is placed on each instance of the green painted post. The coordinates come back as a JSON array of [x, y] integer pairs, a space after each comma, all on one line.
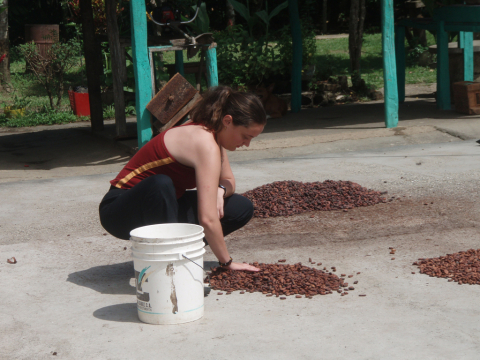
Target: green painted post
[[141, 67], [400, 58], [468, 56], [297, 56], [179, 62], [443, 75], [389, 66], [461, 39], [211, 64]]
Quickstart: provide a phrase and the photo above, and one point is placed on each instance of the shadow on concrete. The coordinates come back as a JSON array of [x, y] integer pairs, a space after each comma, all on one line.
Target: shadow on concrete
[[207, 265], [115, 279], [358, 116], [74, 145], [56, 147], [126, 312], [106, 279]]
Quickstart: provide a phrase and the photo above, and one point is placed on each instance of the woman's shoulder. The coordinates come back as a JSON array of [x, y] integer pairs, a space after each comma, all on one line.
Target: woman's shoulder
[[194, 137], [197, 131]]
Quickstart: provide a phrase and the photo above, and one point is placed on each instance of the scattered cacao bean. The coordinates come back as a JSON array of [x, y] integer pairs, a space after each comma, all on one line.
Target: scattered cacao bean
[[355, 282], [12, 260], [362, 295], [287, 198], [219, 293], [282, 298], [282, 260]]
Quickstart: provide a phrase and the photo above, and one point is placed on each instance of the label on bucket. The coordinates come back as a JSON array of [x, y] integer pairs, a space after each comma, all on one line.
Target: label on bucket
[[143, 297], [169, 292]]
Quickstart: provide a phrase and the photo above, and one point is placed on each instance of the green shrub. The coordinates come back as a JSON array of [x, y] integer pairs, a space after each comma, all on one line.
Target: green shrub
[[285, 47], [244, 60], [44, 117], [50, 69]]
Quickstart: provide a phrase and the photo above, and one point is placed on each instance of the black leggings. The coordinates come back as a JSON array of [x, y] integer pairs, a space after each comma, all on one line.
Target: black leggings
[[153, 201]]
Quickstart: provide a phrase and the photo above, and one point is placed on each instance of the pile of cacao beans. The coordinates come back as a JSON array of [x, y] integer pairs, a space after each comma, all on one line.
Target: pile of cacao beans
[[462, 267], [280, 279], [286, 198]]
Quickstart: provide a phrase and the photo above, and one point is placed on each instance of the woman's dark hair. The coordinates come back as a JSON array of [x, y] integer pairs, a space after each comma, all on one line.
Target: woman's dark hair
[[244, 108]]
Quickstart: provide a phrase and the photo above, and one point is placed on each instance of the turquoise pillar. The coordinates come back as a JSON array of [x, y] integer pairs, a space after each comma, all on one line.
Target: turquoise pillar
[[461, 39], [141, 66], [401, 61], [389, 65], [468, 56], [297, 56], [443, 76], [179, 62], [211, 64]]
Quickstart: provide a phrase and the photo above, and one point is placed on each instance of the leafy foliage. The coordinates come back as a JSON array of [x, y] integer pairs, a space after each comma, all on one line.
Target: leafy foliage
[[201, 24], [44, 117], [107, 69], [244, 60], [248, 58], [99, 15], [285, 47], [51, 68]]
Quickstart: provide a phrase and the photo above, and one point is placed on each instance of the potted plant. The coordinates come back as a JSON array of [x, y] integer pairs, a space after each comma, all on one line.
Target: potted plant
[[18, 107]]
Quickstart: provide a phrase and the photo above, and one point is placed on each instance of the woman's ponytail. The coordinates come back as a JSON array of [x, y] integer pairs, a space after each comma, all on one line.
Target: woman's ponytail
[[218, 102]]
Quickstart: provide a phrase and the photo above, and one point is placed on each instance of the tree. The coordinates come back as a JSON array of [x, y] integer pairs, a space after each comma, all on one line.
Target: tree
[[357, 19], [230, 12], [4, 44], [50, 68]]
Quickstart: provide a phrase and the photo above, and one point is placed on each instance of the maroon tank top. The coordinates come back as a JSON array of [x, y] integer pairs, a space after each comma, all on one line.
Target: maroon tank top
[[152, 159]]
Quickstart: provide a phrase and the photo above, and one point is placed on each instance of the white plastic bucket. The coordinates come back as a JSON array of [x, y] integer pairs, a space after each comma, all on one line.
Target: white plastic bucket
[[169, 287]]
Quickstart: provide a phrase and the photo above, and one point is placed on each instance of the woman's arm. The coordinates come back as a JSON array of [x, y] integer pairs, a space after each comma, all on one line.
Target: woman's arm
[[207, 163], [226, 175]]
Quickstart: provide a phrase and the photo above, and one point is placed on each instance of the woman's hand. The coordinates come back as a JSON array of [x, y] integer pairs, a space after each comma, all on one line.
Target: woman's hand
[[220, 194], [241, 267]]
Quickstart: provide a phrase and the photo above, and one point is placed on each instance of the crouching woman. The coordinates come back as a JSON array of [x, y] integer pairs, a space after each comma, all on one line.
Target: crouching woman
[[153, 187]]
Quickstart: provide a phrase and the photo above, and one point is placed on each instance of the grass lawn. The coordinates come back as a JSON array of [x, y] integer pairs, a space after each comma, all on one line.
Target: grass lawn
[[332, 59]]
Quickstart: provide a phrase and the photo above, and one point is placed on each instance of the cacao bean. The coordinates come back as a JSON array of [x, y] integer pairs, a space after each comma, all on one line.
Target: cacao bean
[[286, 198], [462, 267]]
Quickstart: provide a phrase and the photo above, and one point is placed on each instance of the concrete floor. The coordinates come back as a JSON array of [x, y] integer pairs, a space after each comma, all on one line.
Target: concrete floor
[[71, 290]]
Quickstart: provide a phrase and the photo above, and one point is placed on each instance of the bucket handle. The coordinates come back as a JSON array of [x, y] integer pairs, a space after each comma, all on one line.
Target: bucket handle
[[180, 255]]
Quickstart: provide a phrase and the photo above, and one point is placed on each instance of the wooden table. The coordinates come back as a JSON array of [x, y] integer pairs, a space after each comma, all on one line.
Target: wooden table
[[462, 18]]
